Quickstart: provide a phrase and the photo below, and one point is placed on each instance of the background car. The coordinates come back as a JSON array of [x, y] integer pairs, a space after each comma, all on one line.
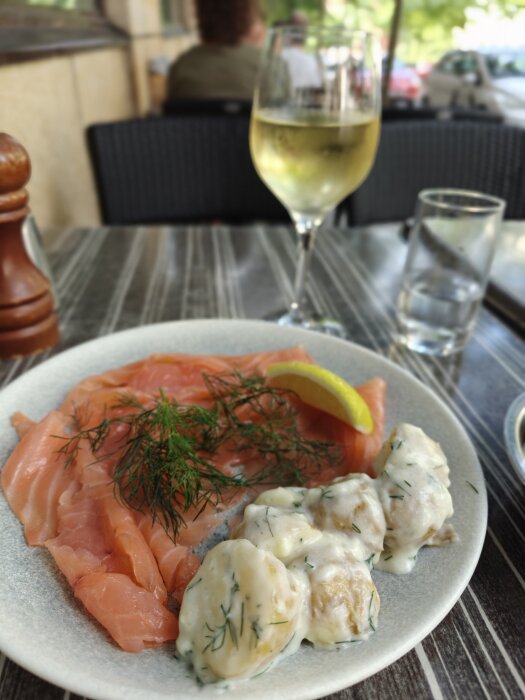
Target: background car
[[405, 86], [423, 69], [489, 80]]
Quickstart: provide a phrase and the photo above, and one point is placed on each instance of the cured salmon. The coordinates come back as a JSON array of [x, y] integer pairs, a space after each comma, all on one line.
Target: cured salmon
[[34, 477], [121, 563], [133, 616], [359, 449]]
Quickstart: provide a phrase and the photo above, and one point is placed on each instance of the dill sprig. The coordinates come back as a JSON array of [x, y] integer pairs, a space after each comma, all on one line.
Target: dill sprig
[[164, 454], [218, 633]]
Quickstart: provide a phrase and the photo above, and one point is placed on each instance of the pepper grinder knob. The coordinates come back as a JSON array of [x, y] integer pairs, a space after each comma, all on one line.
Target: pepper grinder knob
[[28, 323]]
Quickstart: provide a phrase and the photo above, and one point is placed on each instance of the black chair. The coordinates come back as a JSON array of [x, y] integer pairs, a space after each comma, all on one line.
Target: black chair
[[414, 155], [191, 167], [390, 114], [207, 106]]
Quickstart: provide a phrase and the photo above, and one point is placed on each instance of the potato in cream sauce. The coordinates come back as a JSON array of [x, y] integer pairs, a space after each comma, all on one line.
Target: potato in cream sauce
[[350, 506], [412, 484], [283, 531], [300, 567], [343, 600], [241, 610]]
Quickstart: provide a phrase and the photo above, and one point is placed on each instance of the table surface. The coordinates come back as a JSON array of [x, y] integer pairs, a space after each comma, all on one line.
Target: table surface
[[112, 279], [506, 292]]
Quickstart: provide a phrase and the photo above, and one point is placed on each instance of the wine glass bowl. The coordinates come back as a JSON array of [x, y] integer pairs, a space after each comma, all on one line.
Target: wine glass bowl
[[314, 131]]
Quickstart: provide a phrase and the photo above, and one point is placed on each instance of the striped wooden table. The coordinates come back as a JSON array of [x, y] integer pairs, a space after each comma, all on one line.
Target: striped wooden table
[[111, 279]]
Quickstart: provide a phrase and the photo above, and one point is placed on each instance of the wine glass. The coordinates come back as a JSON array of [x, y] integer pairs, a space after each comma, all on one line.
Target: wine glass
[[314, 132]]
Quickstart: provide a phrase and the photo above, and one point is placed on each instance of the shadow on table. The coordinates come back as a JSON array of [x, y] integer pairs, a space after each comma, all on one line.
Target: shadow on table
[[445, 370]]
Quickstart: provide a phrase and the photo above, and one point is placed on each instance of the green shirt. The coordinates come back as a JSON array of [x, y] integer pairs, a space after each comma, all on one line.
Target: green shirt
[[215, 72]]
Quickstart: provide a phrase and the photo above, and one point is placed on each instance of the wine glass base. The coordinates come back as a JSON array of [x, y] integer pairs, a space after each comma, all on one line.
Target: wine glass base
[[328, 326]]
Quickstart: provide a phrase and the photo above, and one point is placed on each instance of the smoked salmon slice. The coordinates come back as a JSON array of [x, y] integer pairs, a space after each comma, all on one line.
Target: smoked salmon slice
[[177, 563], [34, 477], [121, 563], [359, 449], [21, 423], [129, 546], [134, 617], [97, 533], [79, 548]]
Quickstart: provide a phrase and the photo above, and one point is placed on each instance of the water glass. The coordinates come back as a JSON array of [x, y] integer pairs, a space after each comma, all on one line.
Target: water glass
[[451, 247]]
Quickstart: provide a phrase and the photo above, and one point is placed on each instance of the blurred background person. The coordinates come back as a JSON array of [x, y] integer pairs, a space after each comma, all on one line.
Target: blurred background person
[[224, 65], [304, 68]]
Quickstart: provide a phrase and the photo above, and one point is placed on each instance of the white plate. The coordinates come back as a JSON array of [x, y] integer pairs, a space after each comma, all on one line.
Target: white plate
[[45, 630]]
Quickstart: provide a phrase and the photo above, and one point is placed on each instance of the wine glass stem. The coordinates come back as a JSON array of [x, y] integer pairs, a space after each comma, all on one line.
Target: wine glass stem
[[306, 230]]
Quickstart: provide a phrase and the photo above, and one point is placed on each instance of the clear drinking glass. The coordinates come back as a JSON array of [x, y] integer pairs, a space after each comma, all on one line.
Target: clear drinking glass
[[451, 247], [314, 132]]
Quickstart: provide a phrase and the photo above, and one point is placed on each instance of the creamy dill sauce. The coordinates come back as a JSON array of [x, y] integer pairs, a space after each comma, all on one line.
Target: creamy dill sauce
[[241, 611], [283, 532], [300, 566], [350, 506], [412, 484], [343, 600]]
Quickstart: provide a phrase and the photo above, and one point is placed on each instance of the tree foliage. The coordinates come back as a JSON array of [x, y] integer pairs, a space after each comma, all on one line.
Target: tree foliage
[[430, 23], [280, 10], [425, 29]]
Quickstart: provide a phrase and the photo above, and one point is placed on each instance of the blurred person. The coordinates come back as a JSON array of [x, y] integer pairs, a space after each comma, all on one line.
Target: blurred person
[[305, 69], [224, 65]]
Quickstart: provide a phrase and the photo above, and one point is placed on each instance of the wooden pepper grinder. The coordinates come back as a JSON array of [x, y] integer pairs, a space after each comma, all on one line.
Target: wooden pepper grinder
[[28, 323]]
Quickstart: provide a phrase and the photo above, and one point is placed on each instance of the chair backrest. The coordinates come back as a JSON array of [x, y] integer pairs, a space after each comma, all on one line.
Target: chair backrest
[[207, 106], [414, 155], [179, 169], [390, 114]]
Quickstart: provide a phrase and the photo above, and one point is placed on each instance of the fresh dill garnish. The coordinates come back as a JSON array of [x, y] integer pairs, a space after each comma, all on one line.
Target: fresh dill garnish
[[218, 634], [370, 623], [326, 493], [235, 587], [472, 486], [265, 670], [288, 643], [370, 560], [267, 520], [242, 619], [193, 584], [399, 486], [396, 444], [355, 528], [256, 630], [164, 453], [307, 563]]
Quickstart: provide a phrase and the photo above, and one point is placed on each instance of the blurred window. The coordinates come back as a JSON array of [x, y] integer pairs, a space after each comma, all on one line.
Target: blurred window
[[506, 65], [465, 64], [447, 64], [32, 27], [171, 13]]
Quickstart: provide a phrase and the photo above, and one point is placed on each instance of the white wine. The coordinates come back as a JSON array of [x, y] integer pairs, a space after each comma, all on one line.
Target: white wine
[[312, 162]]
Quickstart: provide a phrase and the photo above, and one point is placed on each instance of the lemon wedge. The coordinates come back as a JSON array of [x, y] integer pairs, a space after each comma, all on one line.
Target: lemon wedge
[[323, 389]]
